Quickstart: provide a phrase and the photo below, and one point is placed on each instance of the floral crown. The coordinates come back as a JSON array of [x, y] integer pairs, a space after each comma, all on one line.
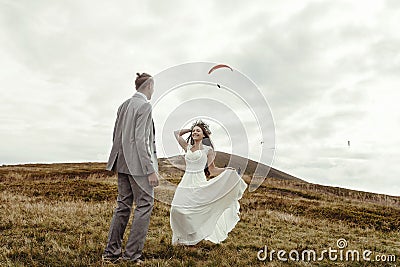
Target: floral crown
[[203, 124]]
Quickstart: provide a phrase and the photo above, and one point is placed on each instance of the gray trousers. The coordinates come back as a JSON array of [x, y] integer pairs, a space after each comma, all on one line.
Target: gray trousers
[[130, 189]]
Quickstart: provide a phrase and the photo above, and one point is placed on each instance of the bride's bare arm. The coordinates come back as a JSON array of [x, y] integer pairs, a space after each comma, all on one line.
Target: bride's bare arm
[[214, 171], [178, 135]]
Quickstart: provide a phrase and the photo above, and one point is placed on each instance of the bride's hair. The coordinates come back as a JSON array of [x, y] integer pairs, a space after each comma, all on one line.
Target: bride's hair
[[206, 139]]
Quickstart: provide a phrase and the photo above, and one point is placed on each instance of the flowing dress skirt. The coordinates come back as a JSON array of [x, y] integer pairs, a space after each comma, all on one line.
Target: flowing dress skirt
[[204, 209]]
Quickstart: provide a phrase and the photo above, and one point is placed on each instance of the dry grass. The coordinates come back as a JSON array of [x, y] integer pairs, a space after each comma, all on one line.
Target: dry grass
[[59, 215]]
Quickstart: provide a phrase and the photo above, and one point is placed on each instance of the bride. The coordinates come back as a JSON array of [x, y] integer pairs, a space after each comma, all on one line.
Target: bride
[[201, 208]]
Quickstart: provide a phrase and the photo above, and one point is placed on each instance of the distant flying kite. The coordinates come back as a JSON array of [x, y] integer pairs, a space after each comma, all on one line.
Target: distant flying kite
[[218, 67]]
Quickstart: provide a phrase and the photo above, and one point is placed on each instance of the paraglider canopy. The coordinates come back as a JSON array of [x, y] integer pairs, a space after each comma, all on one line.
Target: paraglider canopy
[[218, 67]]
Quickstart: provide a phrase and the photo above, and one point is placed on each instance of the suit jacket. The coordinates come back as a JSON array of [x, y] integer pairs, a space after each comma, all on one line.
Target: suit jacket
[[133, 151]]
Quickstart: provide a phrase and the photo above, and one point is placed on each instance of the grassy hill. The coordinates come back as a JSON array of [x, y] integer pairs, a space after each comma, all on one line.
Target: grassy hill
[[59, 215], [224, 159]]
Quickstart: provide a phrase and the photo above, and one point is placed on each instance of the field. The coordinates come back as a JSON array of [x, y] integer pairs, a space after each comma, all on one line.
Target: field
[[59, 215]]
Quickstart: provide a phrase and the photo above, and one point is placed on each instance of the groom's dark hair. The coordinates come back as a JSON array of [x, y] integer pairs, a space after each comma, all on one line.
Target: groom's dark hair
[[140, 79]]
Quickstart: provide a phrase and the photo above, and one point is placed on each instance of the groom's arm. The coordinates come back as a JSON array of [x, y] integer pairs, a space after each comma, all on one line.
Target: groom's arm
[[141, 141], [116, 122]]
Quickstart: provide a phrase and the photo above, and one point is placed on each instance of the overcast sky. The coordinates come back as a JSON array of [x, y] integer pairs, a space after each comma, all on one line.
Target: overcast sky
[[330, 71]]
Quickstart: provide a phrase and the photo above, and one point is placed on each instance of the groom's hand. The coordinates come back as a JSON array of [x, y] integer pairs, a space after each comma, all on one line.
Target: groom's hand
[[153, 179]]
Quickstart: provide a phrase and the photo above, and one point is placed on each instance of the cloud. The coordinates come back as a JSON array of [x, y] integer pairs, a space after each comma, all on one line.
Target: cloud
[[329, 71]]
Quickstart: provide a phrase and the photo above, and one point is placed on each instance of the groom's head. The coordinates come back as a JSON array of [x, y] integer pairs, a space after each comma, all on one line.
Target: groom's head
[[144, 83]]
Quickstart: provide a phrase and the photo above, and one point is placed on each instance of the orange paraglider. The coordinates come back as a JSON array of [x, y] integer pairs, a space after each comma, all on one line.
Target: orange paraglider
[[218, 67]]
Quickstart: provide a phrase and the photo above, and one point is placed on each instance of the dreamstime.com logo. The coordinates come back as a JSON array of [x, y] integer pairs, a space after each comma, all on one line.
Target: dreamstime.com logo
[[332, 254]]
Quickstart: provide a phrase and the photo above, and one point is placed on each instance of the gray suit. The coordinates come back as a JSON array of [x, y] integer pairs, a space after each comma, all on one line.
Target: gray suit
[[133, 138], [134, 157]]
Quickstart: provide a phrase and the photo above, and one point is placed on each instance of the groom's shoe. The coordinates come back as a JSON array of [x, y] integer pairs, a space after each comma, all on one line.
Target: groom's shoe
[[138, 261], [110, 259]]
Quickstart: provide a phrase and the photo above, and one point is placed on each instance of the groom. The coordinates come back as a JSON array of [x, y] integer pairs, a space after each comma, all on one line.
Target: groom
[[133, 156]]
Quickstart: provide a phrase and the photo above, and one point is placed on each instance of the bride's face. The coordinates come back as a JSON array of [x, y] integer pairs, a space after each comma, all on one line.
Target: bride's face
[[197, 133]]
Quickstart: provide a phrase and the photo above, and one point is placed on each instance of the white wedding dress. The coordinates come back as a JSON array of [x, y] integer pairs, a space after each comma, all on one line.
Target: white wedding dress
[[204, 209]]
